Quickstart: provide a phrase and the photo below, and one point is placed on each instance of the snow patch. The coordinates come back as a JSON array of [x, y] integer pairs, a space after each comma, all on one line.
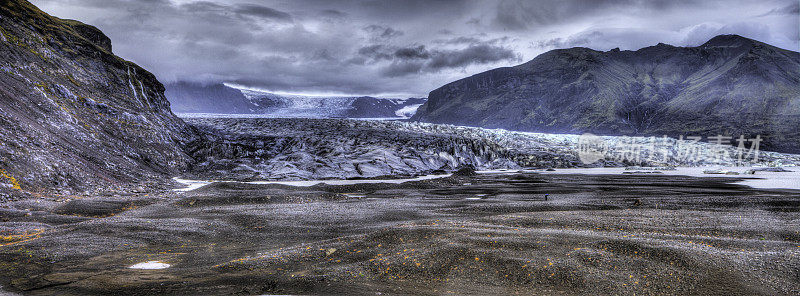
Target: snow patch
[[190, 184], [150, 265], [407, 111]]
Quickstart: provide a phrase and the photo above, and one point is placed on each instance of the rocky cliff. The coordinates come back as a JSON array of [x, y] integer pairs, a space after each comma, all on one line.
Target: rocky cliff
[[730, 85], [75, 117]]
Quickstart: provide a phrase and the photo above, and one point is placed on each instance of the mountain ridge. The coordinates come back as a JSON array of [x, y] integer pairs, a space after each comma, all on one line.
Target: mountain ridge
[[656, 90]]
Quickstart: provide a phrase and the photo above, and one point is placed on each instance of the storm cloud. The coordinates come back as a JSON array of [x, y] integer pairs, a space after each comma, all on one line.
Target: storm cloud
[[418, 59], [261, 11], [400, 48]]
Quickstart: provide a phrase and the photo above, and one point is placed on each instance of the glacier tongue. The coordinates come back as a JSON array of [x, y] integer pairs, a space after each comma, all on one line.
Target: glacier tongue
[[300, 106], [272, 105], [407, 111]]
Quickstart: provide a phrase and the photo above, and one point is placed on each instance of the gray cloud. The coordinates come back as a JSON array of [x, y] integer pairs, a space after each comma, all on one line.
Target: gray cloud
[[222, 11], [474, 54], [523, 14], [262, 11], [403, 68], [410, 46], [381, 32], [376, 52], [417, 52], [791, 9], [418, 59], [462, 40], [332, 13]]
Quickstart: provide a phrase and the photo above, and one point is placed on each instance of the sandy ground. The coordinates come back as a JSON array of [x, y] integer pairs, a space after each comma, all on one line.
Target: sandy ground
[[487, 234]]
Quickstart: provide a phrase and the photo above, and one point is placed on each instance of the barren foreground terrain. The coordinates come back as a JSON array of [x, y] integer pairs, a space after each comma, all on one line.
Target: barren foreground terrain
[[484, 234]]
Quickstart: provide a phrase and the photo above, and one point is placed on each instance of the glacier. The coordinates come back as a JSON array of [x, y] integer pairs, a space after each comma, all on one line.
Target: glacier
[[285, 149]]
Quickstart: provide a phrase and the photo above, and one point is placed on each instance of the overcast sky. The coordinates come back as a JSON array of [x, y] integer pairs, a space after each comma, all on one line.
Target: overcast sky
[[399, 48]]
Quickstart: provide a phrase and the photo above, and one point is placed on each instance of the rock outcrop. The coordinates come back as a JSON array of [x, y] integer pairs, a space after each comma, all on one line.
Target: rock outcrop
[[730, 85], [75, 117]]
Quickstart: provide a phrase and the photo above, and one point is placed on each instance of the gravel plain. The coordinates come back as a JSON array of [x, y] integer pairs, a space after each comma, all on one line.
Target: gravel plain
[[482, 234]]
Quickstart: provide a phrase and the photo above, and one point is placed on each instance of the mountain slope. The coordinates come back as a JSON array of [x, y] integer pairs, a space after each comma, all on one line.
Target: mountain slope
[[730, 85], [73, 116], [187, 97]]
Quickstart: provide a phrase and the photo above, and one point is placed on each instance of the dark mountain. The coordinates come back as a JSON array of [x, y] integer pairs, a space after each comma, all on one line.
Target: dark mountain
[[188, 97], [730, 85], [218, 98], [73, 116]]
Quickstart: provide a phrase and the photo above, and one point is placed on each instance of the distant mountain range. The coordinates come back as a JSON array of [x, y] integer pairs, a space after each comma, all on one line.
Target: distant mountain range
[[218, 98], [730, 85]]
